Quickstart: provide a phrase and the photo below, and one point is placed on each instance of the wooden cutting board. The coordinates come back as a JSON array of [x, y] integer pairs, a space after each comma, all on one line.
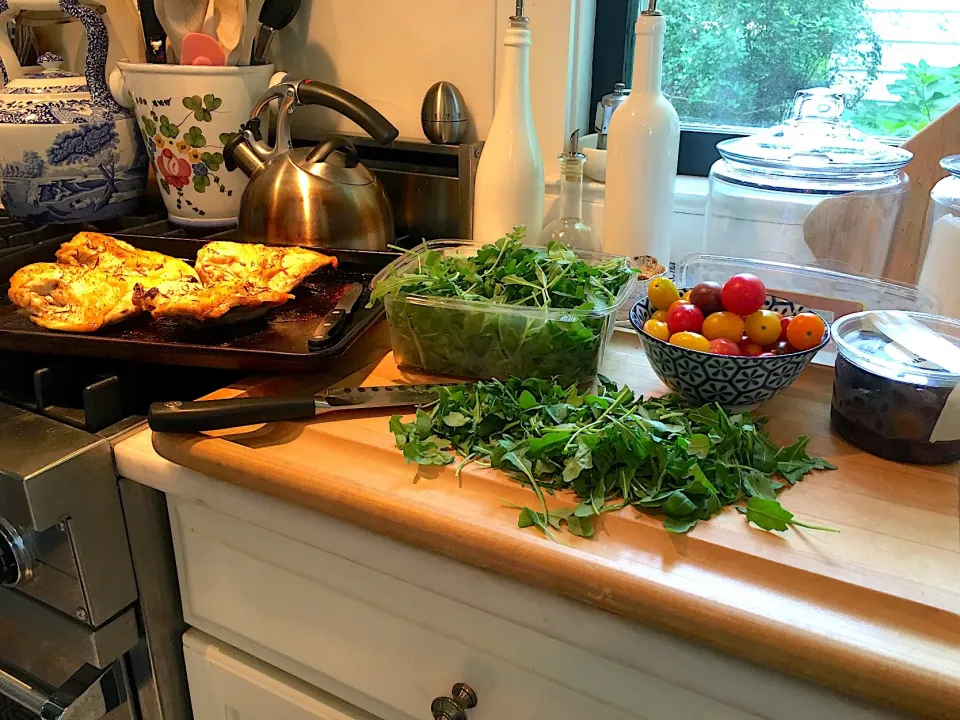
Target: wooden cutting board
[[873, 610]]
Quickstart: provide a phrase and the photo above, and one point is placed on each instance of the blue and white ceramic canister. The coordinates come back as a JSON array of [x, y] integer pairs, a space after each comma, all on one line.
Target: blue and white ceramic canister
[[68, 152]]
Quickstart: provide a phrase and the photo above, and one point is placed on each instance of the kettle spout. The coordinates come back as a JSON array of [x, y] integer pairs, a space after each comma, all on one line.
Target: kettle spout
[[238, 154]]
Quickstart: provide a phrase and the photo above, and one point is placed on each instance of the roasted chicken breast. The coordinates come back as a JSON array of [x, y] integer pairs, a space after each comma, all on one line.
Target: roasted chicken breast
[[276, 268], [201, 303], [91, 249], [71, 297]]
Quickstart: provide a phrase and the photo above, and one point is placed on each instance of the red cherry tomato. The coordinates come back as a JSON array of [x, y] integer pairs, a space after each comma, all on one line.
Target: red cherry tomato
[[767, 355], [743, 294], [723, 346], [783, 348], [784, 324], [685, 318], [751, 349]]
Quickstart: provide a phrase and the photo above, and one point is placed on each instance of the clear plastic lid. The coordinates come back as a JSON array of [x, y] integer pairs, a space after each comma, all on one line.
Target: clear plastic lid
[[952, 165], [813, 145], [899, 346]]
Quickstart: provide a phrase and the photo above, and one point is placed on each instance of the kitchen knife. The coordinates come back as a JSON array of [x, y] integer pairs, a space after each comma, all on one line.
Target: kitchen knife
[[332, 324], [218, 414]]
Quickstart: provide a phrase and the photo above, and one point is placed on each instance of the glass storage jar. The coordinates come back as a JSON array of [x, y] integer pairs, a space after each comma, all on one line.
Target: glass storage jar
[[811, 191], [938, 274]]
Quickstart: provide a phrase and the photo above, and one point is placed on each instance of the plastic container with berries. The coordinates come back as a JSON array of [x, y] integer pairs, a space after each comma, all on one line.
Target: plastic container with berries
[[895, 390]]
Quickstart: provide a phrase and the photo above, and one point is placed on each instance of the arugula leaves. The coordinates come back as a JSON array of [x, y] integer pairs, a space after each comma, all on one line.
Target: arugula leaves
[[475, 339], [611, 449]]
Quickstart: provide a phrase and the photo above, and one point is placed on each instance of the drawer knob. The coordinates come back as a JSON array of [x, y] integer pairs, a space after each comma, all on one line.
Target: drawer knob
[[454, 708]]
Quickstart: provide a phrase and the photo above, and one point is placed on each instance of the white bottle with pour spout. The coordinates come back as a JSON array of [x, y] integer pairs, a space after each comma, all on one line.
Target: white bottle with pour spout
[[510, 183], [642, 147]]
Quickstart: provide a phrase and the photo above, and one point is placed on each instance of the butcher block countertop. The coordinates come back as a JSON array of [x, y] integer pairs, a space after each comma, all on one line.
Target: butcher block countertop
[[873, 610]]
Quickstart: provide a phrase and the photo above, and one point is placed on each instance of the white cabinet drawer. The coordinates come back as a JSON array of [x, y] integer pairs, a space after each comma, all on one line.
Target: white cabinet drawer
[[390, 647], [226, 684]]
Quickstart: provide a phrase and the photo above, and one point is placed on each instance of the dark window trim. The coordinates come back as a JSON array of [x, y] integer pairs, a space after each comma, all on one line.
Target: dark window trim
[[613, 44]]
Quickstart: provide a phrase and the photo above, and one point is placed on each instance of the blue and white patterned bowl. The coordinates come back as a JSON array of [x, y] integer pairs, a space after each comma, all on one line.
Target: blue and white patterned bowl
[[737, 383]]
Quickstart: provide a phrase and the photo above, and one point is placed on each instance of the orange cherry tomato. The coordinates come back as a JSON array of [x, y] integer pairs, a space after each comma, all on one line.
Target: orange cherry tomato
[[657, 329], [660, 315], [678, 303], [690, 341], [805, 331], [723, 325]]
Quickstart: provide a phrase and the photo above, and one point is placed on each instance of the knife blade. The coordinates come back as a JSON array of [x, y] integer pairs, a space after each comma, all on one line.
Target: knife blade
[[332, 324], [180, 416]]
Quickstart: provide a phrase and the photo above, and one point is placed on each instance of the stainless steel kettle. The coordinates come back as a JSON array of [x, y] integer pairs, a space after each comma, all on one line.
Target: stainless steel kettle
[[321, 196]]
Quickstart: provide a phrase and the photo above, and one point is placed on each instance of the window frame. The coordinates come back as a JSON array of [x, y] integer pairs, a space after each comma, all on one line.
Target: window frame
[[613, 44]]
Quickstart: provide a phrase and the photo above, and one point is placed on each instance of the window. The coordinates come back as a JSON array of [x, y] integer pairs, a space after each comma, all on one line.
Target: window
[[731, 66]]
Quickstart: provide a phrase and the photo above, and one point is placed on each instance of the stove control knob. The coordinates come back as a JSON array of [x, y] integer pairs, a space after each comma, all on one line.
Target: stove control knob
[[16, 563]]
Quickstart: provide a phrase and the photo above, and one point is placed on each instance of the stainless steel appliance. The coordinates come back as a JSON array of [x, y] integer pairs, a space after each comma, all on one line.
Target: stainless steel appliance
[[90, 619], [322, 197]]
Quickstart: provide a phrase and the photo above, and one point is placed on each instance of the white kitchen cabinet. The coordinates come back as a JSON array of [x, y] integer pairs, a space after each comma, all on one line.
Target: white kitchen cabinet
[[226, 684]]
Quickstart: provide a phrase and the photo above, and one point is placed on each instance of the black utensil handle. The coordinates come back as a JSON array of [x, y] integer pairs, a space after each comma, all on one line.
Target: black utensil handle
[[218, 414], [328, 329]]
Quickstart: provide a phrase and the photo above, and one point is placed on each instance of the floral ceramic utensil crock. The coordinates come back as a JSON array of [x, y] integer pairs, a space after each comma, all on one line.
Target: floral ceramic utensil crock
[[187, 113], [68, 151]]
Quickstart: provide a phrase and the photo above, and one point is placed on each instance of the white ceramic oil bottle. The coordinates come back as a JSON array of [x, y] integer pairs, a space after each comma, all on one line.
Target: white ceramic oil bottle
[[509, 184], [642, 147]]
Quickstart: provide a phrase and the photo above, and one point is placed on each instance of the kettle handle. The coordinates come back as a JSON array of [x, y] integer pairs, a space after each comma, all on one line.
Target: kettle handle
[[98, 41], [312, 92], [322, 151]]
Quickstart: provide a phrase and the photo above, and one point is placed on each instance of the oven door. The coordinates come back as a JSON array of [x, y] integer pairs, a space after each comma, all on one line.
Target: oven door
[[55, 668]]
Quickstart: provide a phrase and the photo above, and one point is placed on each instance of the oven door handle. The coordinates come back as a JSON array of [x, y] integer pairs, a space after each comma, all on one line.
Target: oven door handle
[[89, 694]]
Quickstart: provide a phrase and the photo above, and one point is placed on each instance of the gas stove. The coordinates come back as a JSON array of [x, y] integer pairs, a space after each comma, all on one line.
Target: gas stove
[[89, 616]]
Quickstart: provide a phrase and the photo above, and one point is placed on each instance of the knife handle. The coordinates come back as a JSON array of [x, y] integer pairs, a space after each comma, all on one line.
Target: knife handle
[[328, 329], [219, 414]]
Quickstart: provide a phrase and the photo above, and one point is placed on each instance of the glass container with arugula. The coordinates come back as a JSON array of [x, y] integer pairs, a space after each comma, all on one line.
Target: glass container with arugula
[[503, 310]]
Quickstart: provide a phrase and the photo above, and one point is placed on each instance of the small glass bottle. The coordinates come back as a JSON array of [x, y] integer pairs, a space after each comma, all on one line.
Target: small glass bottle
[[569, 227]]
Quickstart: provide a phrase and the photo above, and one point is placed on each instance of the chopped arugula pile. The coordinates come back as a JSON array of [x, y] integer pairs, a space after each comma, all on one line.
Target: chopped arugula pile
[[474, 337], [612, 449]]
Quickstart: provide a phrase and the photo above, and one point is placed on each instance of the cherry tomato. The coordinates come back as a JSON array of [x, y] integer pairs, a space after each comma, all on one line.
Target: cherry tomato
[[685, 318], [784, 324], [657, 329], [662, 292], [743, 294], [783, 347], [750, 349], [686, 295], [763, 327], [660, 315], [706, 296], [723, 346], [677, 303], [690, 341], [723, 325], [767, 354], [805, 331]]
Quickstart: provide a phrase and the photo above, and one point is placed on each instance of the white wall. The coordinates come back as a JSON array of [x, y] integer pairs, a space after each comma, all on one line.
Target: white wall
[[389, 52]]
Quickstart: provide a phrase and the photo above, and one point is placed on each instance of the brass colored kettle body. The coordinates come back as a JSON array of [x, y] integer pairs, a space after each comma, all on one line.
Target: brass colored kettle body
[[312, 197]]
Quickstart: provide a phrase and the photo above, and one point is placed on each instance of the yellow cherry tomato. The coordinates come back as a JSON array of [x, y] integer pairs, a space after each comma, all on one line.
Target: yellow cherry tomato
[[686, 295], [763, 327], [660, 315], [657, 329], [723, 325], [662, 292], [690, 341]]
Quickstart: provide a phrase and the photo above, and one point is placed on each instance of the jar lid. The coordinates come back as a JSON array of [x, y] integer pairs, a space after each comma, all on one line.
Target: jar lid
[[815, 144], [910, 347], [951, 164]]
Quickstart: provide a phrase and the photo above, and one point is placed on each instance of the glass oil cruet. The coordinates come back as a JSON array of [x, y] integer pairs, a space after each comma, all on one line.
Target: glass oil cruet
[[569, 227]]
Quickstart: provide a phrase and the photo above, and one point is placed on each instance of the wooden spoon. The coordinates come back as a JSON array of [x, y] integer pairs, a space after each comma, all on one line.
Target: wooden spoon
[[178, 18]]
